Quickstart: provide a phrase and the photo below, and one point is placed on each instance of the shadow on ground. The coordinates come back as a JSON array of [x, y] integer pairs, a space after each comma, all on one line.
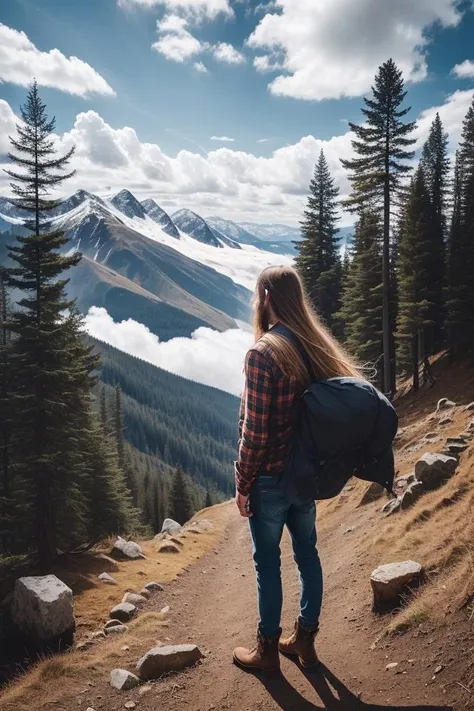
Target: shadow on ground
[[333, 693]]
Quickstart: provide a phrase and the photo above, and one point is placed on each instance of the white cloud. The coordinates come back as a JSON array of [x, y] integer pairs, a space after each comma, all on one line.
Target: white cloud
[[176, 42], [21, 61], [464, 70], [192, 8], [332, 48], [233, 183], [208, 357], [223, 139], [267, 63], [452, 114], [226, 53], [263, 140], [200, 67], [7, 126]]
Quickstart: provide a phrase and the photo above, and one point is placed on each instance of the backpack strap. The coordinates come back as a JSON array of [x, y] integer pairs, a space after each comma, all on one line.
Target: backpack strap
[[282, 330]]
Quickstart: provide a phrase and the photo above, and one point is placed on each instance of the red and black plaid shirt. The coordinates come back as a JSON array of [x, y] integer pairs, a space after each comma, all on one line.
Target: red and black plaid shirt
[[267, 416]]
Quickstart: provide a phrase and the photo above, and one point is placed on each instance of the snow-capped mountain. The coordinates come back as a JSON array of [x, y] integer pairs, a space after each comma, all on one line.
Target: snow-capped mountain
[[240, 234], [197, 227], [128, 204], [160, 217], [272, 232]]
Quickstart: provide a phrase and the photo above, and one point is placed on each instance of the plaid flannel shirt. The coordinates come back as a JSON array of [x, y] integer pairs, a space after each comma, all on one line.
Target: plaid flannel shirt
[[267, 416]]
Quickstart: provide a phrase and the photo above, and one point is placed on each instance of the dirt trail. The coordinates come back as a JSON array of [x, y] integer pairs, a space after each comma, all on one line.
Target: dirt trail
[[213, 604]]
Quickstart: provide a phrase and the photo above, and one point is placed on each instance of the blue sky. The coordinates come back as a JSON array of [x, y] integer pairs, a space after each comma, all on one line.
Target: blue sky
[[203, 77]]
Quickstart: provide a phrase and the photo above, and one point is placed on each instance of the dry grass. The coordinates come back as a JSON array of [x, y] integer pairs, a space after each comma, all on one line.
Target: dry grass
[[72, 673]]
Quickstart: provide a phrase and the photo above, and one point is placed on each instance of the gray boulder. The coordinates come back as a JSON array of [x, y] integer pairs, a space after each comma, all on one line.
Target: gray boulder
[[106, 578], [154, 587], [168, 547], [445, 404], [118, 629], [170, 526], [372, 493], [123, 680], [109, 564], [111, 623], [433, 470], [411, 495], [162, 660], [43, 608], [123, 612], [456, 448], [127, 550], [134, 599], [389, 582]]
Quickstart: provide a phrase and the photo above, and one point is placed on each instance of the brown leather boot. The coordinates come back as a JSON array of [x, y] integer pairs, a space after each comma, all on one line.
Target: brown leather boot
[[264, 657], [301, 645]]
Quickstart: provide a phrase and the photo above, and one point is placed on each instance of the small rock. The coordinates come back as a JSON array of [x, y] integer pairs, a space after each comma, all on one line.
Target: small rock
[[100, 634], [446, 421], [431, 436], [469, 407], [125, 648], [89, 708], [118, 629], [123, 680], [123, 612], [404, 481], [456, 448], [170, 526], [348, 530], [373, 493], [392, 506], [433, 470], [130, 705], [111, 623], [161, 660], [456, 440], [393, 665], [168, 547], [109, 563], [439, 669], [145, 593], [173, 539], [411, 495], [348, 488], [154, 587], [127, 550], [445, 404], [134, 599], [389, 581], [106, 578], [165, 610], [84, 646]]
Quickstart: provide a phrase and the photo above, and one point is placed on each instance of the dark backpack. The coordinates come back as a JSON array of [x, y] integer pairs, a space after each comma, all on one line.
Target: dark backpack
[[345, 427]]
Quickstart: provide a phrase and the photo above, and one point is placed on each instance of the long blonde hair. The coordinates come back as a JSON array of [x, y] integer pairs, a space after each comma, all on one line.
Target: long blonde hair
[[283, 290]]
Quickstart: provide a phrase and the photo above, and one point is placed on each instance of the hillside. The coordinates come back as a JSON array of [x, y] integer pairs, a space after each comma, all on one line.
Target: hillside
[[416, 657], [174, 419]]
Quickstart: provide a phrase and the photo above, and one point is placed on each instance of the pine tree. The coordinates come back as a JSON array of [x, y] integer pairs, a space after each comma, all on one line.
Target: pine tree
[[361, 307], [460, 287], [52, 365], [6, 484], [436, 166], [382, 145], [119, 427], [104, 415], [208, 501], [181, 509], [318, 260], [416, 297], [455, 292]]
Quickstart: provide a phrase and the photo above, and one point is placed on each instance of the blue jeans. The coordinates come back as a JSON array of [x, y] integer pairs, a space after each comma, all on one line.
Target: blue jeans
[[271, 511]]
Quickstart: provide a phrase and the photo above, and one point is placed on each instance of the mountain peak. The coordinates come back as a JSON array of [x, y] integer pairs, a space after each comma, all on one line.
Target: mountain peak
[[127, 203], [161, 217]]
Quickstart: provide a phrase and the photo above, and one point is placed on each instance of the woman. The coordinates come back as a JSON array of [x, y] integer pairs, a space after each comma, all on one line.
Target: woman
[[292, 348]]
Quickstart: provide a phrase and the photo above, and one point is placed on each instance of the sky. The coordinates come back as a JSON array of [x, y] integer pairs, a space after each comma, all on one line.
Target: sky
[[223, 106]]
